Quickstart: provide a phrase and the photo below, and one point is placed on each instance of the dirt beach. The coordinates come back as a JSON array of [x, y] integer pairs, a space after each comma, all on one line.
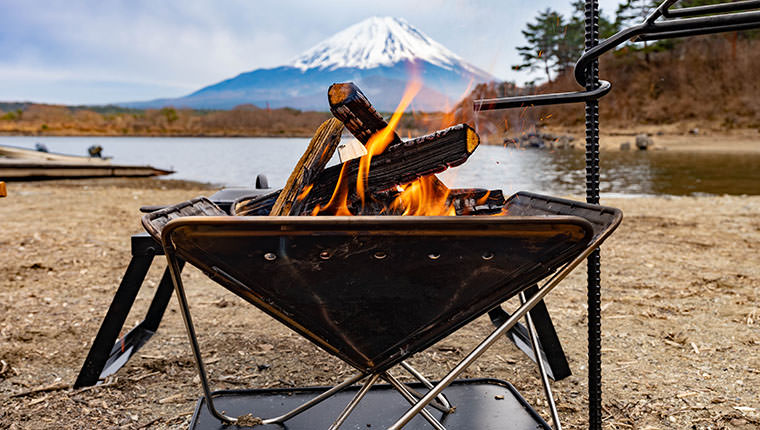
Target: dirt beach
[[681, 318], [681, 136]]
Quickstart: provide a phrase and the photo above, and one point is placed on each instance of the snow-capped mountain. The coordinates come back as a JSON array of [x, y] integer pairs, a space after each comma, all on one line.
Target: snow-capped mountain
[[377, 42], [378, 54]]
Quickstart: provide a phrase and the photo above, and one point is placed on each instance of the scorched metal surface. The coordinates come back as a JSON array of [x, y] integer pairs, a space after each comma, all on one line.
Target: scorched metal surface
[[374, 290]]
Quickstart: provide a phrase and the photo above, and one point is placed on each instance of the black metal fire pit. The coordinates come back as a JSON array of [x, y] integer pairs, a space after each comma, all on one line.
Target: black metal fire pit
[[373, 291]]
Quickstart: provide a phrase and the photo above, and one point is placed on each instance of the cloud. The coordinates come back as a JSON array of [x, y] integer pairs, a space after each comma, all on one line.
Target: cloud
[[171, 48]]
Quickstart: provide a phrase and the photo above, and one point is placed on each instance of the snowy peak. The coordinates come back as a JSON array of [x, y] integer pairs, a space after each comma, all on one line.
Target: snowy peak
[[379, 41]]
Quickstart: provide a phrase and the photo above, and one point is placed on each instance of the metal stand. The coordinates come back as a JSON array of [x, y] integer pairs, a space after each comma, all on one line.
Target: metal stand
[[418, 405], [108, 353], [549, 346]]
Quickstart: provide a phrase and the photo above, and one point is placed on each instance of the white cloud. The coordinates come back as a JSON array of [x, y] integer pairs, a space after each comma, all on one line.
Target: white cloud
[[175, 47]]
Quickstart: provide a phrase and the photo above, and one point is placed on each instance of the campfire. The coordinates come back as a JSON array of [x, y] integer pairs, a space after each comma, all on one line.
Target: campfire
[[387, 176]]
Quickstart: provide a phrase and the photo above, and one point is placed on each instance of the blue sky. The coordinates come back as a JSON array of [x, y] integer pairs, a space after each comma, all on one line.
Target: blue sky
[[98, 52]]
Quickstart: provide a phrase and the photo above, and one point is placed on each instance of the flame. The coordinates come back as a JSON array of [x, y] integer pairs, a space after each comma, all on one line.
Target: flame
[[305, 192], [425, 196], [338, 204], [484, 199], [380, 140]]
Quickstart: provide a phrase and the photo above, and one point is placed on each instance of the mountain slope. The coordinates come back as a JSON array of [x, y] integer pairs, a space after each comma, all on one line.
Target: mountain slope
[[378, 54]]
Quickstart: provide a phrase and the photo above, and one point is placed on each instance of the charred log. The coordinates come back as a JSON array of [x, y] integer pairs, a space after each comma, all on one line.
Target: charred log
[[398, 165]]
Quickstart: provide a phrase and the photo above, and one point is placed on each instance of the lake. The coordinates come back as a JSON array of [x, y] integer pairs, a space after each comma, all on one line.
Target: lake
[[237, 161]]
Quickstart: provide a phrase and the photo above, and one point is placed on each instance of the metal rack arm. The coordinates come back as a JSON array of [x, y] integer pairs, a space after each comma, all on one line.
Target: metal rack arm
[[711, 9], [690, 21], [543, 99]]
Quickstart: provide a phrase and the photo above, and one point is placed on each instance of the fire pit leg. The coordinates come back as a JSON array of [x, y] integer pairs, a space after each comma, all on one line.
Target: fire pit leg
[[402, 389], [313, 402], [176, 277], [442, 400], [541, 367], [355, 401]]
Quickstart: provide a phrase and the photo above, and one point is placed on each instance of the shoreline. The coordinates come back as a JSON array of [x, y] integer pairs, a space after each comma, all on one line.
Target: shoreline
[[681, 137]]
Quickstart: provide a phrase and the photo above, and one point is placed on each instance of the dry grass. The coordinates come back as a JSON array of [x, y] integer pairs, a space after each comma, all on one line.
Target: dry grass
[[680, 318]]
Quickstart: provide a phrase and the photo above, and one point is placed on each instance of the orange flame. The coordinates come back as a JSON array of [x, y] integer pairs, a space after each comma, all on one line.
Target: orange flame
[[380, 140], [425, 196], [338, 201], [305, 192]]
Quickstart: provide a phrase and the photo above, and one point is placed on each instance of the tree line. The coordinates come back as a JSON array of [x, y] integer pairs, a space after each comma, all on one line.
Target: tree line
[[554, 42]]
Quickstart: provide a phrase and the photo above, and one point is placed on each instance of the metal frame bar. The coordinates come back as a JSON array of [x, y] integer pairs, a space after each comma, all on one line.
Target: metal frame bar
[[175, 270], [446, 406], [109, 352], [710, 9], [550, 347], [495, 335], [355, 401], [316, 400], [541, 369], [406, 394]]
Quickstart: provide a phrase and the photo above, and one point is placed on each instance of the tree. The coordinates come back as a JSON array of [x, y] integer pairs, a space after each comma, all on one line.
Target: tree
[[632, 12], [542, 37], [556, 44]]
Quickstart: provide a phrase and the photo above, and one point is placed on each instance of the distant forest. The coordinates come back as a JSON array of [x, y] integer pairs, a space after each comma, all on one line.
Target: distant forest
[[710, 80]]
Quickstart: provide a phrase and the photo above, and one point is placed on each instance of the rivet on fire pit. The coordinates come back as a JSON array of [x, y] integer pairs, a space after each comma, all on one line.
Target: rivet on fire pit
[[270, 256], [380, 255], [434, 256], [487, 255], [325, 255]]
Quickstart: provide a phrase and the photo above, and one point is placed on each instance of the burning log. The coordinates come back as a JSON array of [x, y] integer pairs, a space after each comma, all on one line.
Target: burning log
[[368, 184], [476, 201], [308, 169], [350, 105], [397, 165]]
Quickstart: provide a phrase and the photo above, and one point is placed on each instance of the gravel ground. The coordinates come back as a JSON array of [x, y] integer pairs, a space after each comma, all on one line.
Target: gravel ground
[[681, 319]]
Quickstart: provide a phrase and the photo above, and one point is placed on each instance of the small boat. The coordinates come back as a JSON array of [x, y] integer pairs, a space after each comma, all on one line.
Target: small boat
[[28, 164], [44, 155]]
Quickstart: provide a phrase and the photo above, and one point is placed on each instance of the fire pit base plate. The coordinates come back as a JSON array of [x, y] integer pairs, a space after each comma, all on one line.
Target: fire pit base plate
[[484, 404]]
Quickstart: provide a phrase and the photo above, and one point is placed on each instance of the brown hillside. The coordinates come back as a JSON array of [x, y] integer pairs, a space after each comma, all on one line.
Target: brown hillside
[[707, 79], [711, 81]]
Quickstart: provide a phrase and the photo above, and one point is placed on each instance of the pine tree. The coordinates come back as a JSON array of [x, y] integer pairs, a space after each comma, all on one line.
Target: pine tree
[[633, 12], [542, 37], [555, 44]]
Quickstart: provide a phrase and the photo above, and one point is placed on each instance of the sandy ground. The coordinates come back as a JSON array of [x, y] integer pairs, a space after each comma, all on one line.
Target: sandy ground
[[681, 318], [674, 137]]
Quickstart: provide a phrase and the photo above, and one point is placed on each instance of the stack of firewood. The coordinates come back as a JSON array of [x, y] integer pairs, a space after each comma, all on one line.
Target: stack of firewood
[[313, 189]]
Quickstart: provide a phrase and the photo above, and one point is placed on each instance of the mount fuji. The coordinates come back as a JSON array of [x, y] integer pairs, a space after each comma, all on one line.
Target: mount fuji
[[379, 54]]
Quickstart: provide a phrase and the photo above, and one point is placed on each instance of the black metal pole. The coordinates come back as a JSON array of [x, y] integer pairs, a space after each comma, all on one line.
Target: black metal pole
[[592, 196]]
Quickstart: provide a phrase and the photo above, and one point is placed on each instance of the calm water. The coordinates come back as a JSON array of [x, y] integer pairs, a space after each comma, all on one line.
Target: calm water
[[237, 161]]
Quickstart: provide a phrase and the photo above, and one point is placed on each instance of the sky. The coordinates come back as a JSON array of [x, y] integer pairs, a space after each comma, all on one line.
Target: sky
[[99, 52]]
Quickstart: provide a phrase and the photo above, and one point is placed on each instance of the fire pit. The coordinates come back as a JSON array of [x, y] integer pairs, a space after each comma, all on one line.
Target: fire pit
[[375, 290]]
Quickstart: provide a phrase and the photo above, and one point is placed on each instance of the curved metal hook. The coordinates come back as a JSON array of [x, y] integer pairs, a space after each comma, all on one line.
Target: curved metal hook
[[543, 99]]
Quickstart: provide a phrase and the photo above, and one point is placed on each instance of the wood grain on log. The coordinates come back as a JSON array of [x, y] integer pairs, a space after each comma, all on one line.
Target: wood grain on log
[[309, 167], [350, 105], [398, 165]]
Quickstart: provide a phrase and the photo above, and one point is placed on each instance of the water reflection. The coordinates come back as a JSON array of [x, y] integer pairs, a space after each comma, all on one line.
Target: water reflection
[[237, 161], [622, 173]]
